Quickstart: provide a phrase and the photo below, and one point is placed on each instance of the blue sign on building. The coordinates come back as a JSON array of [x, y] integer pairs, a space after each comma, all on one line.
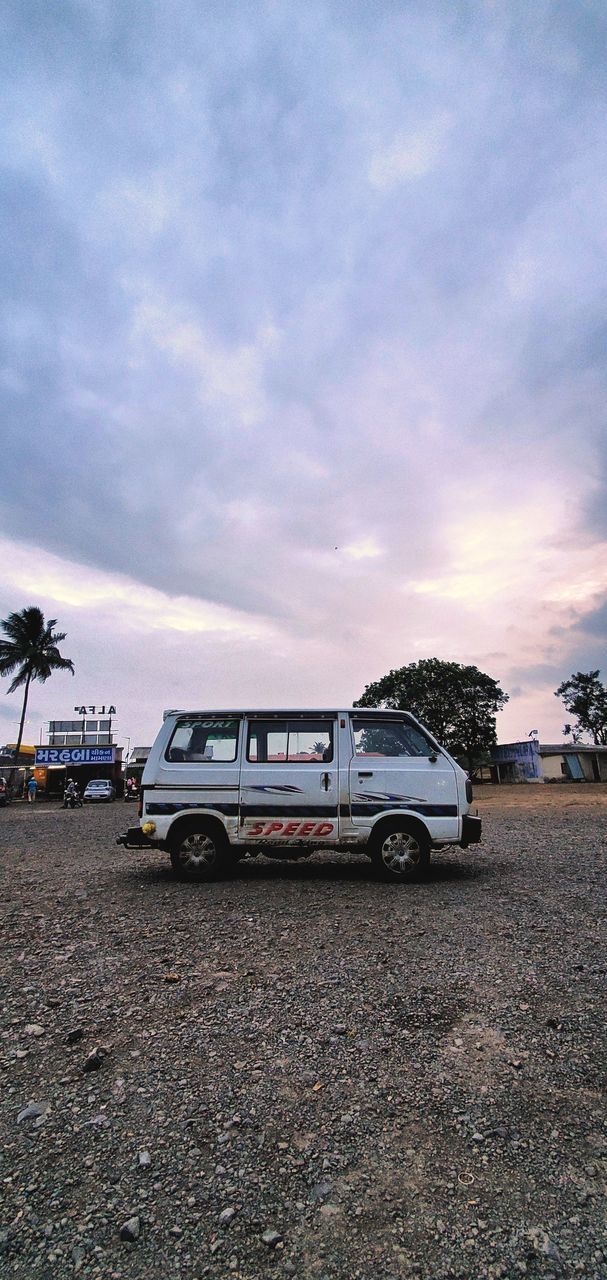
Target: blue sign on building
[[75, 755], [523, 759]]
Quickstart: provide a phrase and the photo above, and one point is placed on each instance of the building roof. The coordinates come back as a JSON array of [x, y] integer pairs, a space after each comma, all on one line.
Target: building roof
[[542, 749]]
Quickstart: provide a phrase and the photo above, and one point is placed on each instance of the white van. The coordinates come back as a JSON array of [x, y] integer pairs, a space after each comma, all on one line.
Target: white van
[[221, 784]]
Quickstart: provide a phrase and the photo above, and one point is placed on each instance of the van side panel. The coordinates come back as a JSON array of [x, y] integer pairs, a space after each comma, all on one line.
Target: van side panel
[[191, 787]]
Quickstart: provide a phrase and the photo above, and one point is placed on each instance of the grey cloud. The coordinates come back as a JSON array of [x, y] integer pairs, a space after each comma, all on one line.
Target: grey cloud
[[584, 656], [253, 130], [595, 624]]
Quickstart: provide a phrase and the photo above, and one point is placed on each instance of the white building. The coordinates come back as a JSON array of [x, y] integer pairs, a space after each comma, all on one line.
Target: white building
[[533, 761]]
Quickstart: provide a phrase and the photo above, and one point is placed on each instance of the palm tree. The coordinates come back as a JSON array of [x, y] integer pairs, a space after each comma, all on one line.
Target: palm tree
[[31, 649]]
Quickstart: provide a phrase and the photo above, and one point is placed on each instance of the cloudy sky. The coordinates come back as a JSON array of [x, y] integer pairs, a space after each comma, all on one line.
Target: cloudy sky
[[303, 347]]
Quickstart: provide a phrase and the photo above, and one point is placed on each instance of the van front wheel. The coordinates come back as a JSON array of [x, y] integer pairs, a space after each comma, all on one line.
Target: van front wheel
[[198, 852], [401, 853]]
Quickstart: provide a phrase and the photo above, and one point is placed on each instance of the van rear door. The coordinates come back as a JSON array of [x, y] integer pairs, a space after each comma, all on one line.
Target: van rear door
[[396, 767], [289, 780]]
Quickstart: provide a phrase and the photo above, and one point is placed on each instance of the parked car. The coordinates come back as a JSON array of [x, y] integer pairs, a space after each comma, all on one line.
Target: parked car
[[99, 789]]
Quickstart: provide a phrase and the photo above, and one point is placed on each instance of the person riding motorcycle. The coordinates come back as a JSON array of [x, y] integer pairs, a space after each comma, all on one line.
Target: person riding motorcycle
[[71, 795]]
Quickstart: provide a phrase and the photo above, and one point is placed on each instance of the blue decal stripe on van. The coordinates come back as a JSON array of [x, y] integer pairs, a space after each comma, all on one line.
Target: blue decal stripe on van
[[377, 796], [288, 811], [427, 810], [274, 788], [176, 806], [191, 786]]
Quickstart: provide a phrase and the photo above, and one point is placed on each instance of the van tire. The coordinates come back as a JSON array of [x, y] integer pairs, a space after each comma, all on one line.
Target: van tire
[[400, 851], [199, 850]]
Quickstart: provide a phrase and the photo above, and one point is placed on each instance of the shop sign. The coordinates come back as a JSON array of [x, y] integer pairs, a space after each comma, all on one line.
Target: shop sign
[[75, 755]]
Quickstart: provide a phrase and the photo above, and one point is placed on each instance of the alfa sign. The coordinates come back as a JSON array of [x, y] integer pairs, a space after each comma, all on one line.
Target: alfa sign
[[99, 711], [74, 755]]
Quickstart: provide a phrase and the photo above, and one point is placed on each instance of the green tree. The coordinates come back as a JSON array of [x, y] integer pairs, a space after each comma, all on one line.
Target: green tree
[[457, 703], [585, 698], [30, 650]]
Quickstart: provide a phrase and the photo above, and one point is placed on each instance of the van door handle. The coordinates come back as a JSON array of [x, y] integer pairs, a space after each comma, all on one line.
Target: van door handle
[[325, 779], [365, 774]]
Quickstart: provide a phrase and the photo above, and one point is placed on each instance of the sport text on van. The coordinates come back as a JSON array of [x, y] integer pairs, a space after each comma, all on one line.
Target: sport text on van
[[221, 784]]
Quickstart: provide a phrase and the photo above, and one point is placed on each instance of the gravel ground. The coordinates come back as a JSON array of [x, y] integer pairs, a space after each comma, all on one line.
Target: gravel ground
[[302, 1071]]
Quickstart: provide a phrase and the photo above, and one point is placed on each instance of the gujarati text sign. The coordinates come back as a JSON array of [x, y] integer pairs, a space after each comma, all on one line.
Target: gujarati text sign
[[74, 755]]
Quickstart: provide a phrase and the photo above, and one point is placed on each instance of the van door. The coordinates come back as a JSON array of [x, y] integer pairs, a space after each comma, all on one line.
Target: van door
[[289, 780], [396, 767]]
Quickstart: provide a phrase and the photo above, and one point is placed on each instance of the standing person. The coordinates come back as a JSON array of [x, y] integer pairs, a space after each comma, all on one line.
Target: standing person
[[32, 788]]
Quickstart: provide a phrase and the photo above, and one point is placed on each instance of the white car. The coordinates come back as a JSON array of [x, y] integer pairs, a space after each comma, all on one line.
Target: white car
[[99, 789]]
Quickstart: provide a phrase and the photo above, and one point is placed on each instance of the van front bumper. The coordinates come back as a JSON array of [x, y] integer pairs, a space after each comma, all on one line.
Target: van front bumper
[[134, 838], [471, 831]]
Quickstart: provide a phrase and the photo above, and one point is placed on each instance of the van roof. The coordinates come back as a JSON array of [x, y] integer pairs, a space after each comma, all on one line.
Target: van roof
[[270, 713]]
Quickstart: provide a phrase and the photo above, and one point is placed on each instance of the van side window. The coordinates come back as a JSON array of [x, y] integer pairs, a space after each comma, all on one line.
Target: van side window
[[204, 740], [385, 738], [290, 741]]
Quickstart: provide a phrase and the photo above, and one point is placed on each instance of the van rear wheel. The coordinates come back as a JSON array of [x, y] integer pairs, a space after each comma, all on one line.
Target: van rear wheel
[[401, 853], [199, 852]]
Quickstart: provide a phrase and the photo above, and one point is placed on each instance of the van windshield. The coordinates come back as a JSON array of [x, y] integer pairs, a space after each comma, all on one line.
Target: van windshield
[[387, 738]]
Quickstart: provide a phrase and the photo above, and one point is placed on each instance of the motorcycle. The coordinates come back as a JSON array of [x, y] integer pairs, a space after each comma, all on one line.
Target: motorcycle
[[72, 798]]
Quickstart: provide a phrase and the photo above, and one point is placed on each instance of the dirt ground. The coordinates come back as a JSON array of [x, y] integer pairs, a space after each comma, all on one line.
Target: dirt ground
[[301, 1071], [532, 797]]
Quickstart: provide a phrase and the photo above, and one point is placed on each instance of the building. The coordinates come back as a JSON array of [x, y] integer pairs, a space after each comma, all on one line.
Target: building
[[13, 771], [574, 763], [136, 762], [532, 761], [80, 749], [8, 754]]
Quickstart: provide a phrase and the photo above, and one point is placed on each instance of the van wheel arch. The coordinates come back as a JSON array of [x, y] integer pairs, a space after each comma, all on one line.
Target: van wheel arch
[[199, 847], [404, 861], [187, 823]]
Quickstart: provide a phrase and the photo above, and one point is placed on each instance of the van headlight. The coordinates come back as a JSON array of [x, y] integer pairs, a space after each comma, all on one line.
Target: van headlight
[[148, 828]]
